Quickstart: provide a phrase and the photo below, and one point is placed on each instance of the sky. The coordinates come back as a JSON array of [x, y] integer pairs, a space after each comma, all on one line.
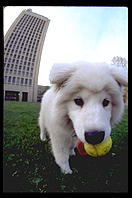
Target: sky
[[93, 34]]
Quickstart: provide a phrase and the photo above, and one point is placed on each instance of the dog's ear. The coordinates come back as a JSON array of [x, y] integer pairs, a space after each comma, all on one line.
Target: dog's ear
[[60, 73], [120, 74]]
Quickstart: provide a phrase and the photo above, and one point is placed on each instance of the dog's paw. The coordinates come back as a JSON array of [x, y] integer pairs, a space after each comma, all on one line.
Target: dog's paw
[[42, 136], [66, 171]]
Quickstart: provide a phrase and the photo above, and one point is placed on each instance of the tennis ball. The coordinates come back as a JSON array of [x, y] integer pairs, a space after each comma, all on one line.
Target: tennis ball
[[99, 149]]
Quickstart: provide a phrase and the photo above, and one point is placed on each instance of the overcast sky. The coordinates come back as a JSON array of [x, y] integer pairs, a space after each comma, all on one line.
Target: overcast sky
[[94, 34]]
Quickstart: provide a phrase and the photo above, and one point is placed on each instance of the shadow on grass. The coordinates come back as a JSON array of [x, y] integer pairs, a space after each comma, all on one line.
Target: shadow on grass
[[36, 171]]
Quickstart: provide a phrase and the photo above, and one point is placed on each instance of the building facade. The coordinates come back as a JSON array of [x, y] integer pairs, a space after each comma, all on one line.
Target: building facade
[[23, 45]]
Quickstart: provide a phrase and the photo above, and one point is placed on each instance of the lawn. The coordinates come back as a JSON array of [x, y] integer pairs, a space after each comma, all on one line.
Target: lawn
[[28, 165]]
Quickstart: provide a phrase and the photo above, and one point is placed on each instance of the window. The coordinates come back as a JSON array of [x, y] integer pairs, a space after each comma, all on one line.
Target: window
[[5, 79], [14, 78], [9, 79], [19, 72], [30, 81], [26, 81], [22, 79], [18, 80]]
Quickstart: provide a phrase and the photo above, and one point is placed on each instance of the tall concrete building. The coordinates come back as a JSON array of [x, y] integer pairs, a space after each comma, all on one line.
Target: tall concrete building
[[23, 45]]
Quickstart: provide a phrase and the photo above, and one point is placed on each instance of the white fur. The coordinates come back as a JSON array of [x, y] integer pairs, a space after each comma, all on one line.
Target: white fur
[[62, 118]]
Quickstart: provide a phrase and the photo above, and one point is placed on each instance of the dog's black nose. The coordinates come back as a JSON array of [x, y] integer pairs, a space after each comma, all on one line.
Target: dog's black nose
[[94, 137]]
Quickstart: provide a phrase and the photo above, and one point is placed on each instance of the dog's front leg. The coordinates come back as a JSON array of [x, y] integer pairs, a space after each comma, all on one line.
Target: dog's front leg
[[60, 147]]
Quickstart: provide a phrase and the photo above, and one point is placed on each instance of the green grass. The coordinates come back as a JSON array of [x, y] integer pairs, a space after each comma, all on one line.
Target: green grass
[[29, 165]]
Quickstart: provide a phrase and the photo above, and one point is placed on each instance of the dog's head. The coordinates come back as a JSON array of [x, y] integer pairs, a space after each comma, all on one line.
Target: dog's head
[[92, 96]]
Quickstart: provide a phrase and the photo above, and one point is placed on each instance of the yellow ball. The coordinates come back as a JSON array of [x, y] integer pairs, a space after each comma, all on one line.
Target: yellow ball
[[99, 149]]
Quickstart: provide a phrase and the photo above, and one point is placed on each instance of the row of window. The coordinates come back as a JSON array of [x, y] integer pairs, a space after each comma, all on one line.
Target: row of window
[[18, 54], [18, 80], [20, 61], [29, 36], [28, 57], [17, 36], [11, 66], [14, 43], [22, 52], [15, 66], [19, 73], [23, 45], [16, 39]]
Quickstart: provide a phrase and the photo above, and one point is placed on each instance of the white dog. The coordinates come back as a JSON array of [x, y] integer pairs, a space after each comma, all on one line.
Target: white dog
[[83, 103]]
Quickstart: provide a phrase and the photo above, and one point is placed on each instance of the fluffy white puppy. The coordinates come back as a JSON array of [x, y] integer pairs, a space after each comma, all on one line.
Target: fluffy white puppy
[[84, 101]]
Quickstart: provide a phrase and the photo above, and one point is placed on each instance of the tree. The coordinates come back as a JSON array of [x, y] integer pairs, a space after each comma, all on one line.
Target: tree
[[119, 61]]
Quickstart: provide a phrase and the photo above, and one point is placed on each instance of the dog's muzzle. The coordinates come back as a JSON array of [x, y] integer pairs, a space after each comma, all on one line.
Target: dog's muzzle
[[94, 137]]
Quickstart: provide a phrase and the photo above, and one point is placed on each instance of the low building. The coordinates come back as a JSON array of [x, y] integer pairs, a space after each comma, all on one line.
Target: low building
[[41, 91]]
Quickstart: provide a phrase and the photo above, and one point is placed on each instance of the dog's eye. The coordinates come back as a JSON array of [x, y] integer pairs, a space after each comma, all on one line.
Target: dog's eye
[[105, 102], [79, 102]]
